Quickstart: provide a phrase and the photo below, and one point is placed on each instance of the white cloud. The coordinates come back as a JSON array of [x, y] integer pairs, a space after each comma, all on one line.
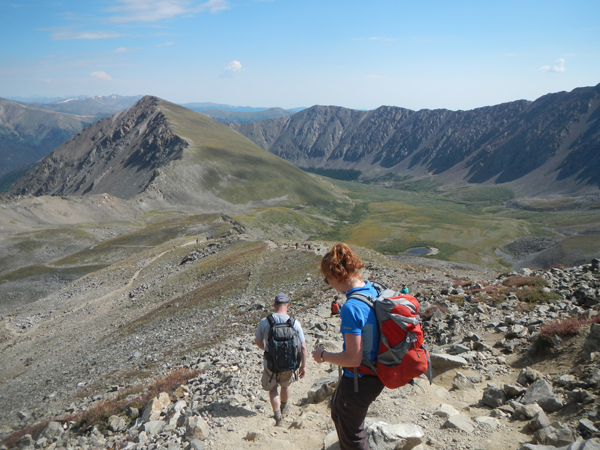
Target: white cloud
[[166, 44], [124, 50], [234, 66], [101, 76], [558, 66], [61, 35], [155, 10]]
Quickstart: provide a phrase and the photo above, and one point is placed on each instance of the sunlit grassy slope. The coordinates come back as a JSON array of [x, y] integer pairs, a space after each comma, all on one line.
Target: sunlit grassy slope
[[237, 170]]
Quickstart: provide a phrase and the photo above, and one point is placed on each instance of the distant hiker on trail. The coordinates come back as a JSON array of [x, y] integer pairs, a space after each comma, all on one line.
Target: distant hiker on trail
[[341, 269], [335, 306], [282, 339], [404, 289]]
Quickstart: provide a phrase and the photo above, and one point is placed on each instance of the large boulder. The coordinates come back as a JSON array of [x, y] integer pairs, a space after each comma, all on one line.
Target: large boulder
[[541, 393], [155, 406], [442, 361], [401, 436]]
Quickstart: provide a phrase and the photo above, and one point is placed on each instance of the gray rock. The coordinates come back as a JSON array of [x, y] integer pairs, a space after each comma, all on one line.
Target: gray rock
[[142, 438], [528, 376], [587, 428], [461, 422], [526, 412], [486, 420], [155, 406], [196, 427], [461, 382], [556, 436], [26, 441], [493, 396], [584, 445], [445, 411], [331, 441], [384, 436], [197, 444], [541, 393], [539, 421], [52, 430], [514, 390], [322, 389], [154, 427], [116, 423], [442, 361]]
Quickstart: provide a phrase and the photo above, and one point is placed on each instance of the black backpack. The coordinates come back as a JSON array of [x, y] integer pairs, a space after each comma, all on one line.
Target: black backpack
[[285, 352]]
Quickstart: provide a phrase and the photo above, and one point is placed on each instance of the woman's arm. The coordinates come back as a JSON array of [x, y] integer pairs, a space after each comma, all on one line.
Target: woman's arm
[[351, 357]]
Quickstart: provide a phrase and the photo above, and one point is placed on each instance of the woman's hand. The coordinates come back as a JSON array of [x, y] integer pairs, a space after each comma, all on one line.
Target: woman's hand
[[316, 354]]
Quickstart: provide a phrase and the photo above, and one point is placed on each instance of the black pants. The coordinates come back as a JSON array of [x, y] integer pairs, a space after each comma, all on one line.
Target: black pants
[[349, 409]]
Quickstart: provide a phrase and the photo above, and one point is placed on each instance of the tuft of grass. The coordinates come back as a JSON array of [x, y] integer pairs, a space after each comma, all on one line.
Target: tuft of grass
[[564, 328], [518, 281]]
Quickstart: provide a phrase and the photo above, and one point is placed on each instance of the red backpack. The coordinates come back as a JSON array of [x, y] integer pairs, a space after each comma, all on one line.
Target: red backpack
[[402, 355], [335, 307]]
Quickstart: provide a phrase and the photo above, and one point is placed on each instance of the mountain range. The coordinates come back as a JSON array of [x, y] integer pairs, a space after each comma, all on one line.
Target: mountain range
[[99, 105], [548, 146]]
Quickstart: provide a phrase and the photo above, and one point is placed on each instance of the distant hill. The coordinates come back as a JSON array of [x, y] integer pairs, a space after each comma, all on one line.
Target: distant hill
[[99, 106], [28, 134], [226, 116], [541, 147], [169, 155]]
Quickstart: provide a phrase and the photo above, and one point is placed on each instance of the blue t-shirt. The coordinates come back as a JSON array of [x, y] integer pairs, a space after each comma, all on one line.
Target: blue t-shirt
[[359, 318]]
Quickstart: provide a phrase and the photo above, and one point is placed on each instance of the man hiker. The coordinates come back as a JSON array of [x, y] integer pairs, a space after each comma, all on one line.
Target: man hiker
[[335, 306], [282, 357]]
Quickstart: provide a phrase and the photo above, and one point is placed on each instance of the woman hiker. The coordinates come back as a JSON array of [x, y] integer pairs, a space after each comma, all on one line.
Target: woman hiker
[[341, 269]]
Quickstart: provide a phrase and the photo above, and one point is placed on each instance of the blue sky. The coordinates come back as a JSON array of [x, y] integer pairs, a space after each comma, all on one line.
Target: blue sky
[[415, 54]]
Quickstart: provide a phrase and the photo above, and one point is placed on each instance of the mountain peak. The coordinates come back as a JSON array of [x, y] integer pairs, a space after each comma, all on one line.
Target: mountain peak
[[170, 155]]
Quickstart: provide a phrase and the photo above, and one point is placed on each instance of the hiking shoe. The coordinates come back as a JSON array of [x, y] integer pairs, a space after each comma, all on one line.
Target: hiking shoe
[[285, 410], [278, 419]]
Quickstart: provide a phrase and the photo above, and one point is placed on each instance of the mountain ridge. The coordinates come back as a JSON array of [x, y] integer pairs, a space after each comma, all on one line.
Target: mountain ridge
[[503, 144]]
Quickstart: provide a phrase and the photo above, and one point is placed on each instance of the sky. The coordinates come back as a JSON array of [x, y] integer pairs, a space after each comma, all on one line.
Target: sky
[[416, 54]]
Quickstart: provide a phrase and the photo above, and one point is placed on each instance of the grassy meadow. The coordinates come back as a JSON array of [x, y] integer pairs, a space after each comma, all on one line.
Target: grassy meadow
[[465, 224]]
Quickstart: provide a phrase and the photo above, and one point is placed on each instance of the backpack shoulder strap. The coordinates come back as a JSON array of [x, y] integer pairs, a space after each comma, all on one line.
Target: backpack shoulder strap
[[363, 298], [271, 320], [291, 321]]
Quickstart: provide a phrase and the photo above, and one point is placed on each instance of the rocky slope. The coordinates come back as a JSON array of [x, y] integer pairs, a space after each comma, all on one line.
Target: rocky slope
[[541, 147], [195, 304]]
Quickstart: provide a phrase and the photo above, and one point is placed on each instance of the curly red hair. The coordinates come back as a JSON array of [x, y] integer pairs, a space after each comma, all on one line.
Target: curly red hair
[[341, 263]]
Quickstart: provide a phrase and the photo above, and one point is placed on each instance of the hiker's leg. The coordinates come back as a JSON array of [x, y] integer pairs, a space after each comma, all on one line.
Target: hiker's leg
[[275, 400], [285, 394], [350, 409]]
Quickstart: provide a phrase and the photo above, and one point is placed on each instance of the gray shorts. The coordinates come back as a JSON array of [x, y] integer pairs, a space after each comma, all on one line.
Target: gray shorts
[[270, 380]]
